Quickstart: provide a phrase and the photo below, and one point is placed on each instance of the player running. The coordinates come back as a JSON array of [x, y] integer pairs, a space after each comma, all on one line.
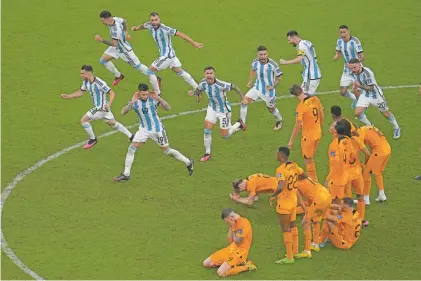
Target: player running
[[162, 35], [219, 108], [309, 117], [371, 95], [306, 55], [268, 75], [232, 259], [255, 184], [350, 48], [98, 91], [144, 103], [120, 48]]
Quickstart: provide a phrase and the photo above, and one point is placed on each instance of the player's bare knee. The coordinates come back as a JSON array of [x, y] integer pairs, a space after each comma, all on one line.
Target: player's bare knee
[[343, 90], [386, 114], [111, 123], [223, 133], [271, 109]]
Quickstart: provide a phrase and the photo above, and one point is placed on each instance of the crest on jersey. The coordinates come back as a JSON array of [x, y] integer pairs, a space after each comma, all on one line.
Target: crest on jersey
[[332, 153], [279, 175], [240, 231]]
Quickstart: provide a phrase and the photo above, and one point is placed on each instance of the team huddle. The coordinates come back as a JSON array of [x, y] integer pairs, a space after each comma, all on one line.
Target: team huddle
[[294, 190]]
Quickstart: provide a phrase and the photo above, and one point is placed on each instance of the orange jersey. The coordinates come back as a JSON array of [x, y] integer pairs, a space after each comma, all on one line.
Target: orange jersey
[[261, 183], [349, 226], [288, 172], [341, 153], [242, 228], [309, 112], [375, 139], [310, 190]]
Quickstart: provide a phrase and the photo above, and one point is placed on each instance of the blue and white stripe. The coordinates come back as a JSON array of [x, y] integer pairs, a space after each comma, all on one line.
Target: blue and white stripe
[[266, 74], [366, 78], [117, 33], [162, 36], [216, 93], [98, 91], [311, 69], [349, 50], [148, 117]]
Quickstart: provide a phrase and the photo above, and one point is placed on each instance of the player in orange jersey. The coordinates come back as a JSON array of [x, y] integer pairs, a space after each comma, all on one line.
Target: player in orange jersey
[[288, 173], [342, 225], [336, 112], [309, 118], [254, 184], [232, 259], [380, 154]]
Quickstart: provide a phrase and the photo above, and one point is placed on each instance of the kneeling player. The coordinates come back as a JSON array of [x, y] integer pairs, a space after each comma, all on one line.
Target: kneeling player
[[232, 259], [254, 184]]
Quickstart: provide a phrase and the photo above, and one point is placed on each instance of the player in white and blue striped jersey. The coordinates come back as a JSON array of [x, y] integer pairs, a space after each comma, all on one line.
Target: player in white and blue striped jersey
[[350, 48], [370, 94], [123, 49], [145, 103], [98, 90], [268, 75], [219, 108], [162, 35], [306, 55]]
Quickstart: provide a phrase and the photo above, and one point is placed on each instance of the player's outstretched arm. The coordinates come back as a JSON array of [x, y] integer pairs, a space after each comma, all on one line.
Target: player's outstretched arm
[[196, 92], [138, 27], [251, 78], [237, 90], [278, 189], [76, 94], [127, 108], [337, 55], [188, 39], [112, 96], [162, 103], [249, 201], [113, 43], [295, 132], [294, 61]]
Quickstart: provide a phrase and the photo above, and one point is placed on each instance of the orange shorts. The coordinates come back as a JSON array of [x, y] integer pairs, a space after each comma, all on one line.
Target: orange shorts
[[318, 208], [376, 164], [232, 256], [337, 240], [283, 211], [336, 191], [308, 147], [357, 185]]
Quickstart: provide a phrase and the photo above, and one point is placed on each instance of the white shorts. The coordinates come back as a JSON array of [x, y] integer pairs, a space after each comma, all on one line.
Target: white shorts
[[98, 114], [224, 118], [160, 138], [379, 102], [166, 62], [255, 94], [310, 86], [129, 57], [346, 80], [112, 51]]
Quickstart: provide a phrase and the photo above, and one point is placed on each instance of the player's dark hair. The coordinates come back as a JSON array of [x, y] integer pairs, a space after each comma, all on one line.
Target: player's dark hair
[[295, 90], [343, 27], [153, 14], [336, 110], [261, 48], [354, 61], [226, 212], [87, 67], [143, 87], [292, 33], [284, 150], [348, 201], [343, 127], [209, 68], [236, 185], [105, 14]]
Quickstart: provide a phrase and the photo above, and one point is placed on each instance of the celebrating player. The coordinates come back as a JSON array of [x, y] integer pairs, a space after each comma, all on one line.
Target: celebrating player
[[306, 55], [350, 48], [218, 109], [122, 49], [371, 95], [268, 75], [254, 185], [162, 35], [98, 90], [232, 259], [309, 117], [144, 103]]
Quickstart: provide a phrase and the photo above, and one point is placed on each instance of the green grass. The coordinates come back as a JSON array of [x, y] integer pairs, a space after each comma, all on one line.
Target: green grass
[[67, 220]]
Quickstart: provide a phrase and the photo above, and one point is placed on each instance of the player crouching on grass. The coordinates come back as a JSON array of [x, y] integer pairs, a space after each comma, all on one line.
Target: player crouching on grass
[[254, 185]]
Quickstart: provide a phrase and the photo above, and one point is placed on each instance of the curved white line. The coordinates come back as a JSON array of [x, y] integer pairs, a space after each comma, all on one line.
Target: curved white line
[[40, 163]]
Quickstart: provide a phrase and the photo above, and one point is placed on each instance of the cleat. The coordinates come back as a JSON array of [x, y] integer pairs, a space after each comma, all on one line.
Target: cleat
[[278, 125], [131, 138], [365, 223], [90, 143], [117, 80], [251, 265], [121, 177], [206, 157], [285, 261], [242, 125], [190, 167], [303, 254], [397, 133], [418, 178], [381, 199], [315, 248]]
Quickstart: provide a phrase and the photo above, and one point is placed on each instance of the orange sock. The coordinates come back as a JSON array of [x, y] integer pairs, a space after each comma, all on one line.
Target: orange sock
[[361, 209], [295, 239], [379, 181], [311, 170], [299, 210], [237, 269], [307, 239], [367, 183], [288, 244], [316, 232], [325, 233]]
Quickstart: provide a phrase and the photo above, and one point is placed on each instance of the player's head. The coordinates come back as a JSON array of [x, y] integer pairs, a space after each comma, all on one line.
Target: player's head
[[209, 74], [154, 19], [86, 71], [238, 186], [296, 91], [293, 38], [355, 66], [336, 112], [228, 215], [344, 31], [343, 127], [347, 203], [262, 53], [106, 17], [283, 154], [143, 91]]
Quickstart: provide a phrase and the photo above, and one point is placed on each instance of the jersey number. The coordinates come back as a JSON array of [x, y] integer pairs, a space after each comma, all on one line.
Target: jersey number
[[316, 114], [357, 231], [224, 122], [292, 179], [145, 110], [352, 159]]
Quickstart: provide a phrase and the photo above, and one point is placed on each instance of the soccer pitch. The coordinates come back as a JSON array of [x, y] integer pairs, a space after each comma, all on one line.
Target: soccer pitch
[[68, 220]]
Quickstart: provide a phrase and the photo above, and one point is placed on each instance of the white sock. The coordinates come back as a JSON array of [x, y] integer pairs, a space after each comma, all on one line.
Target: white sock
[[110, 67], [152, 78], [234, 128], [363, 118], [392, 120], [187, 77], [381, 193], [277, 114], [177, 155], [243, 112], [129, 160], [208, 140], [88, 128], [119, 127], [350, 95]]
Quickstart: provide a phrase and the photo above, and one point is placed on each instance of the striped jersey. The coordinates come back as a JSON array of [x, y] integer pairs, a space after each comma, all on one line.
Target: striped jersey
[[265, 75], [162, 36], [349, 50], [98, 90], [216, 94], [117, 33], [148, 117], [309, 61], [366, 77]]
